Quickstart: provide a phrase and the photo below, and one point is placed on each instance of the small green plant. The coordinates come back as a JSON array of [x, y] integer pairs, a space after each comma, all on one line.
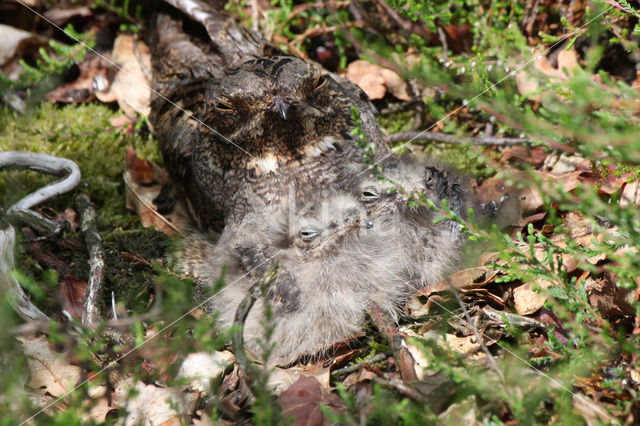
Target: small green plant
[[122, 8]]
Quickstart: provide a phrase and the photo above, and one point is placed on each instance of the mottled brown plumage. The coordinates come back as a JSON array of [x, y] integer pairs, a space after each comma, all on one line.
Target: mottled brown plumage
[[430, 250], [251, 133], [333, 264]]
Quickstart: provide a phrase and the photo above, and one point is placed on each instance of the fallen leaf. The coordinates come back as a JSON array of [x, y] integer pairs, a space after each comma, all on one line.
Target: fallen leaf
[[130, 87], [376, 81], [528, 82], [303, 399], [202, 367], [558, 163], [73, 292], [281, 379], [149, 404], [609, 299], [49, 371], [630, 194], [143, 184], [462, 413], [526, 300], [61, 16], [15, 43], [82, 89], [532, 155], [142, 171]]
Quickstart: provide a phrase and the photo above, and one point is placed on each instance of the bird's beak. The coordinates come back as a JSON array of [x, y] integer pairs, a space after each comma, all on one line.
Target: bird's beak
[[279, 105], [282, 109]]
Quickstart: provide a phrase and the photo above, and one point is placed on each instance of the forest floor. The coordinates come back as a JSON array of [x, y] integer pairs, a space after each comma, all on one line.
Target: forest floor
[[535, 102]]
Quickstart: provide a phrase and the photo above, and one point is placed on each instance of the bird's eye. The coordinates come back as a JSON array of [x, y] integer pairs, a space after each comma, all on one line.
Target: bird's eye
[[224, 106], [309, 234], [430, 177], [370, 194], [319, 83]]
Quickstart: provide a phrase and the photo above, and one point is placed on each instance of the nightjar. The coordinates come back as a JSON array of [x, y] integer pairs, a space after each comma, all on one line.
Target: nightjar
[[333, 265], [253, 127], [430, 249]]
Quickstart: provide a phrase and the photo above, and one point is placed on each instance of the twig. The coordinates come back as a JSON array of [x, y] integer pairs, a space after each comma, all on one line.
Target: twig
[[447, 138], [319, 30], [45, 164], [479, 338], [443, 40], [246, 367], [513, 319], [129, 185], [404, 359], [13, 101], [16, 295], [92, 238], [356, 367], [143, 66]]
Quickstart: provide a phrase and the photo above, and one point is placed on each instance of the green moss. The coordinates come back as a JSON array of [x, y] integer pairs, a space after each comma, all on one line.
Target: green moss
[[82, 133]]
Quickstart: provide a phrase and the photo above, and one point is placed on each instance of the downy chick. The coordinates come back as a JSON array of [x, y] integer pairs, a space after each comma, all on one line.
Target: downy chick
[[327, 276], [431, 249]]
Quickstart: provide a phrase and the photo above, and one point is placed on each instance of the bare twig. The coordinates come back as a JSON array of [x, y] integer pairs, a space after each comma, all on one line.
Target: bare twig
[[356, 367], [319, 30], [12, 100], [447, 138], [443, 40], [247, 368], [479, 338], [10, 286], [45, 164], [513, 319], [92, 238], [404, 359], [143, 66]]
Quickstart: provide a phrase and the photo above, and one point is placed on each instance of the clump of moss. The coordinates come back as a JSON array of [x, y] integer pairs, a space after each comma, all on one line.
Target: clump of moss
[[83, 134]]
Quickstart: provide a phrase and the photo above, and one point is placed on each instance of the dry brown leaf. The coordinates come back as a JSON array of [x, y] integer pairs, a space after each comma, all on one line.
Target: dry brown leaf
[[280, 379], [302, 401], [531, 197], [526, 300], [140, 194], [130, 87], [202, 367], [73, 292], [558, 163], [99, 410], [60, 16], [14, 44], [462, 413], [527, 82], [82, 88], [492, 189], [630, 194], [49, 371], [535, 156], [612, 183], [609, 299], [142, 171], [153, 405], [376, 81]]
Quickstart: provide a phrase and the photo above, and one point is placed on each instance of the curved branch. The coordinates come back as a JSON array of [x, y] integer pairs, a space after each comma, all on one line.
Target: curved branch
[[248, 370], [92, 238], [447, 138], [9, 285], [44, 164]]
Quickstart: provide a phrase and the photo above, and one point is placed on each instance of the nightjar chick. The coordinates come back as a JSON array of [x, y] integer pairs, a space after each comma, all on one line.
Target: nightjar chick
[[236, 135], [332, 265], [430, 250]]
